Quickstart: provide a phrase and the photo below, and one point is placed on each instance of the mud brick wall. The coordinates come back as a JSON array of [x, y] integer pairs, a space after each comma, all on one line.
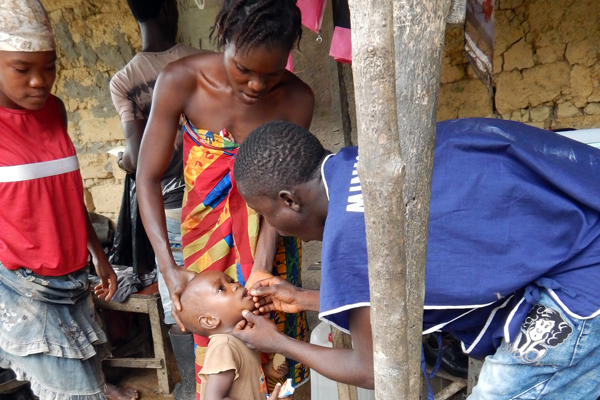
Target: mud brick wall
[[546, 66], [95, 38], [546, 73]]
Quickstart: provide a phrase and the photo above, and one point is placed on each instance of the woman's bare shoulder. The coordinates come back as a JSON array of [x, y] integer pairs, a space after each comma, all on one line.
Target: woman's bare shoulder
[[297, 92], [294, 85], [192, 68]]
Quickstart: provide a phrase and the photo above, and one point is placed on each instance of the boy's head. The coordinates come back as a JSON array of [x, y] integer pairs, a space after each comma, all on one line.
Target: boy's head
[[212, 303], [278, 172], [27, 55]]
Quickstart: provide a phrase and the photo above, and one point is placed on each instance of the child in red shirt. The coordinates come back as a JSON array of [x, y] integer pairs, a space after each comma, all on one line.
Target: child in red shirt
[[49, 330]]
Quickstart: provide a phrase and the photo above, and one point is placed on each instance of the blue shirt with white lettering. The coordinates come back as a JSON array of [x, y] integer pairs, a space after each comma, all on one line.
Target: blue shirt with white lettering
[[514, 210]]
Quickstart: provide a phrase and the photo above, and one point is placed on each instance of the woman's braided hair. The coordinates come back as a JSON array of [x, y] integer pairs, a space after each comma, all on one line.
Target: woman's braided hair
[[255, 22]]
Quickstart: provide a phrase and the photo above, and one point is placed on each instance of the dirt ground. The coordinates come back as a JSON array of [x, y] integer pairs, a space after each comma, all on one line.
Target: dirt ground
[[144, 381]]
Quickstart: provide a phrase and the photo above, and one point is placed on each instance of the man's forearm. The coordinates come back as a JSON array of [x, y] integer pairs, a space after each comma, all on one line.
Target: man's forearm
[[340, 365], [308, 300]]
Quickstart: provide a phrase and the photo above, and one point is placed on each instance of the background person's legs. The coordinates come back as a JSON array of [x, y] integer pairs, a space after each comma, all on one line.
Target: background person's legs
[[182, 342]]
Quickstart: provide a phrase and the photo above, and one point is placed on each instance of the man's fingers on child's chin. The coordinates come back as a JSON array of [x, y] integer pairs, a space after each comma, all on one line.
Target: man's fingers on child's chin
[[264, 310], [240, 325]]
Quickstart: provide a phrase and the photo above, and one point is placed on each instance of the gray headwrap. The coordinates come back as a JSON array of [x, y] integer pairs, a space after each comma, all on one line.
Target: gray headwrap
[[24, 26]]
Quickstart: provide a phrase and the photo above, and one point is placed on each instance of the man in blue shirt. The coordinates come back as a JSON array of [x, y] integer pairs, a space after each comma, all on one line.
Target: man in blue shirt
[[513, 252]]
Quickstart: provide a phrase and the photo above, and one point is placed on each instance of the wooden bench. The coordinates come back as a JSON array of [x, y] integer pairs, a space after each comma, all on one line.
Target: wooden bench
[[146, 301]]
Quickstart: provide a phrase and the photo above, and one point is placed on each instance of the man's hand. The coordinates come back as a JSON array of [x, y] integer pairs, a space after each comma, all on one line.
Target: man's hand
[[120, 160], [108, 286], [177, 279], [275, 394], [275, 294], [258, 333], [257, 275]]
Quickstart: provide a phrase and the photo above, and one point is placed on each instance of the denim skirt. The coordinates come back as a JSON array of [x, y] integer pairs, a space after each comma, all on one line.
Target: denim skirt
[[51, 335]]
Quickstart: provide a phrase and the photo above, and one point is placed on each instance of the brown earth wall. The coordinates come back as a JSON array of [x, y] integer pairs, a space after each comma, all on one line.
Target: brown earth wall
[[546, 66], [95, 38], [546, 73]]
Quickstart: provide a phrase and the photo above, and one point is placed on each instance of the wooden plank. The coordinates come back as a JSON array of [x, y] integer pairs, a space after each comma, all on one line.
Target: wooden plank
[[474, 371], [159, 333], [132, 304], [342, 340], [458, 12], [11, 385], [131, 362], [443, 374], [450, 390]]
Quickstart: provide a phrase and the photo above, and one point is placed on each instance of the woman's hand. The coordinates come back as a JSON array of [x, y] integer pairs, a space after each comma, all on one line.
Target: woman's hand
[[257, 275], [271, 372], [177, 279], [108, 286], [258, 333]]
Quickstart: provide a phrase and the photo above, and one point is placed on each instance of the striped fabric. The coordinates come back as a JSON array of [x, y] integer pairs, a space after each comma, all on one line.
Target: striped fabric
[[219, 231], [214, 214]]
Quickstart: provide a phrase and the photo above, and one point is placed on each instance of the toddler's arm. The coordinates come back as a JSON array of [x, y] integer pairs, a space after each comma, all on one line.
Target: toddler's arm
[[218, 385]]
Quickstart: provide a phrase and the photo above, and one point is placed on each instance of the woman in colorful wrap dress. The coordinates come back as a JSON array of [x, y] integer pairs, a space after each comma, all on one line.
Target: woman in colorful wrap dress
[[219, 98]]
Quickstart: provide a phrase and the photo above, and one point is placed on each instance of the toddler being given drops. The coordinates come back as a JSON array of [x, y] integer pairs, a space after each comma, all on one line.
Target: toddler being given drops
[[212, 306]]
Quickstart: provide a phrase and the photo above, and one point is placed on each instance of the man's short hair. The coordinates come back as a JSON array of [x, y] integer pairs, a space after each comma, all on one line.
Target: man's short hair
[[275, 156], [145, 10]]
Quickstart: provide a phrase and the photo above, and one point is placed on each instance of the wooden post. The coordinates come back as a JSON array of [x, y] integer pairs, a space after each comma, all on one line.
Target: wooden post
[[396, 52], [381, 171], [419, 28]]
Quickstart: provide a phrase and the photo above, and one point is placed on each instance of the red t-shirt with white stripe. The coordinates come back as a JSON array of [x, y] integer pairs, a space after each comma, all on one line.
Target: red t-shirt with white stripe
[[42, 213]]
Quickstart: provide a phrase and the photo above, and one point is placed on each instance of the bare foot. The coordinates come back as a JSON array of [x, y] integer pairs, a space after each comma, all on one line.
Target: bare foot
[[114, 393]]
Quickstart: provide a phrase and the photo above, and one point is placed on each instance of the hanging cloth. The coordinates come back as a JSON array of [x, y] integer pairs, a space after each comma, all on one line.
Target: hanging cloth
[[341, 43], [312, 13], [479, 38]]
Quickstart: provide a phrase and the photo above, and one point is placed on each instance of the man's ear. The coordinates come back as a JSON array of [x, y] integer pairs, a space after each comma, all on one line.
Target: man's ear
[[209, 323], [290, 200]]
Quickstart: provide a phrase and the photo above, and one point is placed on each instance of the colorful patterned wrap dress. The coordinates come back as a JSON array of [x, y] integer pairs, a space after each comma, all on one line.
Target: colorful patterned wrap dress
[[219, 231]]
